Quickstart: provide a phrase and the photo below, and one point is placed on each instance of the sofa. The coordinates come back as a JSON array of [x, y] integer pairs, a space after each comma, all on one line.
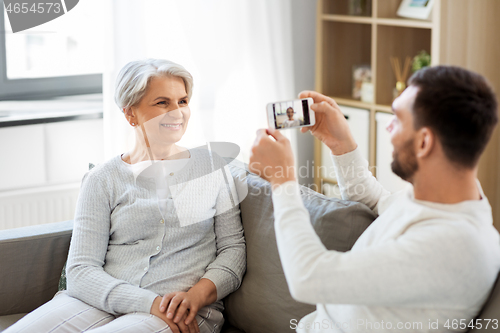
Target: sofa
[[32, 258]]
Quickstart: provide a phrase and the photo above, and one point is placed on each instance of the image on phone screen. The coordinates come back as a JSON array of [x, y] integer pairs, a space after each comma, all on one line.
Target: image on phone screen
[[291, 114]]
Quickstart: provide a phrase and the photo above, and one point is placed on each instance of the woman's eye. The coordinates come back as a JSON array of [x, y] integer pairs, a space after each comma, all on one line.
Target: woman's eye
[[162, 103], [183, 101]]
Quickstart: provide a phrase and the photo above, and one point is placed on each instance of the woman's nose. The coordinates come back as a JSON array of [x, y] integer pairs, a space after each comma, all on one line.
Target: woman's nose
[[175, 113]]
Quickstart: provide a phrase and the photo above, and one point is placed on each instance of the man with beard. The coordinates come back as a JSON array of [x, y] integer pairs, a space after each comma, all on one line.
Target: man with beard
[[432, 256]]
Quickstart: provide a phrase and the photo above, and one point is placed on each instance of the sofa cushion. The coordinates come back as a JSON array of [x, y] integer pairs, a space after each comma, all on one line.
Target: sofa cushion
[[227, 328], [31, 258], [9, 320], [263, 302], [491, 310]]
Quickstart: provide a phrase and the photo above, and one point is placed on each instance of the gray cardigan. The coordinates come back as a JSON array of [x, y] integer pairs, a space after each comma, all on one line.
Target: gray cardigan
[[124, 253]]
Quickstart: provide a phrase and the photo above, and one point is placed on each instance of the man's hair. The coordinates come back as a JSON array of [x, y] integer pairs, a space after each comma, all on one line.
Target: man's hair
[[460, 107]]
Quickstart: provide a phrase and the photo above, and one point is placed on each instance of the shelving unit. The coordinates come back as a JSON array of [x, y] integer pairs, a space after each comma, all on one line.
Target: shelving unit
[[459, 32], [344, 41]]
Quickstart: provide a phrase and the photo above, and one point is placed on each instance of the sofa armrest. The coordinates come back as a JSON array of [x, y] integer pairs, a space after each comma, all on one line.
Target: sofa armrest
[[490, 310], [31, 260]]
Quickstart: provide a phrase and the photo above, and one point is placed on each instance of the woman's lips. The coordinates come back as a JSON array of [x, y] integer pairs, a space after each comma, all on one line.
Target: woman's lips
[[172, 126]]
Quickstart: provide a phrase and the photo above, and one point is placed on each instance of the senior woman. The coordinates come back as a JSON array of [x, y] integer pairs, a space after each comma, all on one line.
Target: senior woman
[[157, 239]]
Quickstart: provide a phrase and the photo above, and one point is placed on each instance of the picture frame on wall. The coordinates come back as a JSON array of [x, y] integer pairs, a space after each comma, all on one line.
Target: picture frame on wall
[[416, 9]]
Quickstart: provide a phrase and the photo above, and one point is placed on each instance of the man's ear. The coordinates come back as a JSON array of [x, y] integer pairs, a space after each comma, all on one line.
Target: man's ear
[[425, 141]]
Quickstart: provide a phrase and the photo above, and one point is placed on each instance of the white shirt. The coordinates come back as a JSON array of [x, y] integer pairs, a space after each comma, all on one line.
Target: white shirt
[[418, 264], [290, 123]]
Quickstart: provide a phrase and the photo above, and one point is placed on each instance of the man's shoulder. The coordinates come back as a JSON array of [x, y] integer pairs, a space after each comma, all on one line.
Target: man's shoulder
[[395, 199], [457, 232]]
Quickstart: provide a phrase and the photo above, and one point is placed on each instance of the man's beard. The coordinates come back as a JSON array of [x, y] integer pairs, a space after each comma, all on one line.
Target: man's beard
[[405, 163]]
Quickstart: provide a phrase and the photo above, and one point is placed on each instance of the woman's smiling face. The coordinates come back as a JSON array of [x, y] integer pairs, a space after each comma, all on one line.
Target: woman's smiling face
[[163, 111]]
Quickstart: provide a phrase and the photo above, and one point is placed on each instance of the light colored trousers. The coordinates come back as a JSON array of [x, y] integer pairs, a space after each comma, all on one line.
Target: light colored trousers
[[70, 315]]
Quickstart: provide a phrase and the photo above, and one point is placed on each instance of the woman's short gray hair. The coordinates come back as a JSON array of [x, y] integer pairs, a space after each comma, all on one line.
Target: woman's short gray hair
[[133, 79]]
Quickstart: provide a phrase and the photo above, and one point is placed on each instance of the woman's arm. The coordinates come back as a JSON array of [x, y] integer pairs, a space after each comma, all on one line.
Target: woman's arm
[[227, 270], [86, 277]]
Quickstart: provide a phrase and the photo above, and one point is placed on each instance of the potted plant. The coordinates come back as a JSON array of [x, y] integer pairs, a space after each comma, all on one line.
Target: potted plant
[[421, 60]]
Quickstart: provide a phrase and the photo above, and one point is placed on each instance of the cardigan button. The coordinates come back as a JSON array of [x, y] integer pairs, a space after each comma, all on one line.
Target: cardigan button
[[162, 221]]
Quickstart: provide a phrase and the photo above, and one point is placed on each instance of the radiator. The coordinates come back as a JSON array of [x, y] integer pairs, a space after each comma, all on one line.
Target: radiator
[[21, 208]]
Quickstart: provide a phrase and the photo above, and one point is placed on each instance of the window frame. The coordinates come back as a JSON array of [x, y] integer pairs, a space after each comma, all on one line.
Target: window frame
[[45, 87]]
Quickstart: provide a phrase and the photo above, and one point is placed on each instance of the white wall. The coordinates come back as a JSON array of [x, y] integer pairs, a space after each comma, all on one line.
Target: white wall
[[41, 169], [304, 52], [48, 154]]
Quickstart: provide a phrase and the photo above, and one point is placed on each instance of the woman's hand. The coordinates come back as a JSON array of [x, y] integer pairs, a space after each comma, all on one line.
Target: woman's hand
[[331, 127], [182, 307], [180, 327]]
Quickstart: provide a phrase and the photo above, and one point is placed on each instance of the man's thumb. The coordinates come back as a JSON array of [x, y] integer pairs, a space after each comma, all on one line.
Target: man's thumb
[[320, 107], [276, 134]]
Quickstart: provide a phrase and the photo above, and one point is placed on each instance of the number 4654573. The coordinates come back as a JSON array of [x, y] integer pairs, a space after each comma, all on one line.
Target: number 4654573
[[478, 324], [40, 8]]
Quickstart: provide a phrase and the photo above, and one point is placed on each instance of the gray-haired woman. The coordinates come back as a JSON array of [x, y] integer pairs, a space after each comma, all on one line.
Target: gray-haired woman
[[157, 239]]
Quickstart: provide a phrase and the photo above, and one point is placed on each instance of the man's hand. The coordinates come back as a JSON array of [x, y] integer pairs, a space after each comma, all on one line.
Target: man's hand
[[272, 159], [331, 127], [179, 327]]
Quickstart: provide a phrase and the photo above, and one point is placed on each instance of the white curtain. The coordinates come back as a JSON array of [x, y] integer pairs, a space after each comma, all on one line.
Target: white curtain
[[238, 51]]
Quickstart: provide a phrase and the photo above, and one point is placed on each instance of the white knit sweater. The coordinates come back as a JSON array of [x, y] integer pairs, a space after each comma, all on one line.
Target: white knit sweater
[[124, 253], [416, 266]]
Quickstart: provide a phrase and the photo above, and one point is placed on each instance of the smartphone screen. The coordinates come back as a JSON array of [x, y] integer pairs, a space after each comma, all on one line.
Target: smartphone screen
[[291, 114]]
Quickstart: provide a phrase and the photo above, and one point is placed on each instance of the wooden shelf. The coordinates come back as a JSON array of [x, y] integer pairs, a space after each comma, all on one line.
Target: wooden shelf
[[387, 9], [396, 22], [348, 18], [352, 102], [458, 33], [384, 108], [345, 41], [347, 44], [347, 101], [330, 181], [338, 7], [404, 23], [396, 41]]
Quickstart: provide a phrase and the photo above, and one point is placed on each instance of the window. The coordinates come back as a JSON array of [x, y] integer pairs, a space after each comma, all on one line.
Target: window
[[60, 57]]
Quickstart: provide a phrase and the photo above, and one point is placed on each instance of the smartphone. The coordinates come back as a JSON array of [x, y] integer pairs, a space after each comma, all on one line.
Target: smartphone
[[291, 114]]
